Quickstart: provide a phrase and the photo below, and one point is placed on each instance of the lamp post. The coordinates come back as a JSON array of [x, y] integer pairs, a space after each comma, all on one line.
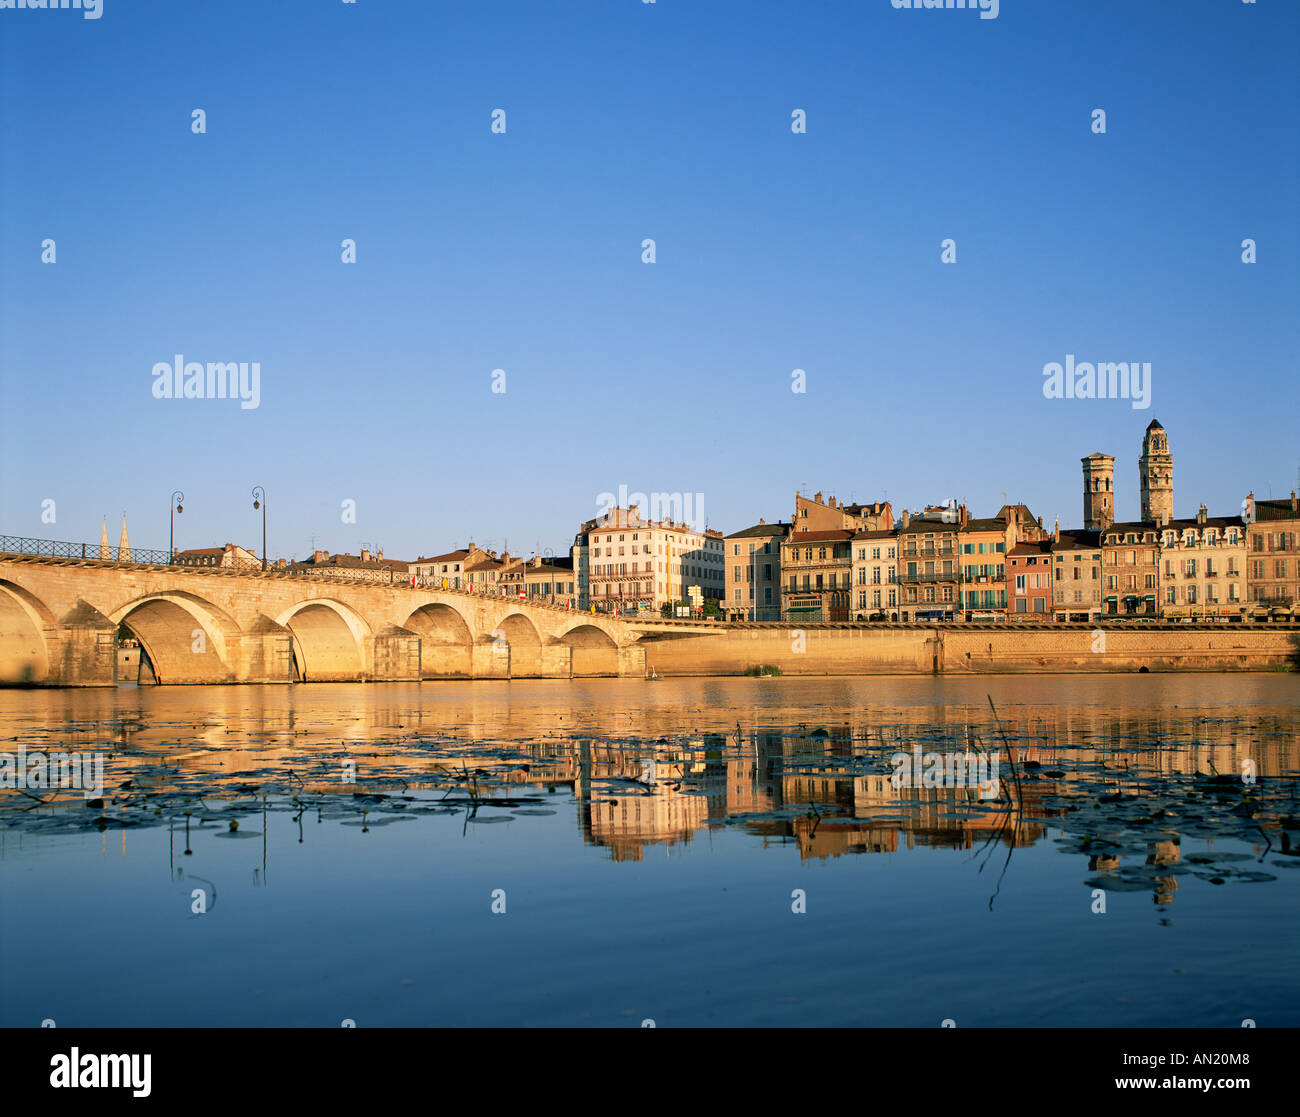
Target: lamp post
[[176, 499], [259, 501]]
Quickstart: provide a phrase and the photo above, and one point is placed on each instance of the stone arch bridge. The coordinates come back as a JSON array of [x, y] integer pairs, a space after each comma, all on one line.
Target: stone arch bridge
[[59, 620]]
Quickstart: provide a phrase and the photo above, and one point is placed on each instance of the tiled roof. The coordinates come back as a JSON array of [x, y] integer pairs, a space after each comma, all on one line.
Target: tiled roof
[[763, 530]]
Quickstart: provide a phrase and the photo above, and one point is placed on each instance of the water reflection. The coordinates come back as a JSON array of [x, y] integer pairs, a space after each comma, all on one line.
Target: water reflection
[[1115, 771]]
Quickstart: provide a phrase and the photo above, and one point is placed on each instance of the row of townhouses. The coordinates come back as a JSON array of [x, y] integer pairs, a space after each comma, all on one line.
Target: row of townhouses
[[837, 562], [858, 562]]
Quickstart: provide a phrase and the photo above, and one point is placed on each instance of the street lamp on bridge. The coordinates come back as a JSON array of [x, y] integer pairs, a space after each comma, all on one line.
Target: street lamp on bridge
[[175, 501], [259, 501]]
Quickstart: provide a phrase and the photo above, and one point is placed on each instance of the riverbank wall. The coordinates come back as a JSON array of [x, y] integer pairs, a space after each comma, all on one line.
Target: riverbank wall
[[847, 649]]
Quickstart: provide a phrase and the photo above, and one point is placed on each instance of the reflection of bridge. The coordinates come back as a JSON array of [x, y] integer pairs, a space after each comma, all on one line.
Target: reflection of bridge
[[59, 618]]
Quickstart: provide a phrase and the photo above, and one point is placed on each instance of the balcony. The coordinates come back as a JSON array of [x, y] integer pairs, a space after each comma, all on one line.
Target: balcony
[[920, 577]]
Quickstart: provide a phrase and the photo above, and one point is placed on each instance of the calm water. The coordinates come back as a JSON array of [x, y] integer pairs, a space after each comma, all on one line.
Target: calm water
[[650, 842]]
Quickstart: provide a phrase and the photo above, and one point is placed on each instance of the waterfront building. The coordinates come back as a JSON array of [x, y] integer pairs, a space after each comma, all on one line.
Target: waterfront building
[[447, 571], [1131, 570], [232, 554], [1076, 575], [1203, 568], [753, 572], [1272, 557], [817, 568], [365, 567], [814, 514], [639, 565], [875, 575], [580, 553], [929, 563], [549, 581], [484, 575], [1028, 529], [984, 544], [1029, 581]]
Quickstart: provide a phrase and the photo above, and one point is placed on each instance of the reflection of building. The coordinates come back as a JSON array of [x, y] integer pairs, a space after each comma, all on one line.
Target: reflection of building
[[628, 822]]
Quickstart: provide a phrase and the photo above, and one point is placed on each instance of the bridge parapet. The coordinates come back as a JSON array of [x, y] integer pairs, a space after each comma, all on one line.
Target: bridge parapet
[[221, 624]]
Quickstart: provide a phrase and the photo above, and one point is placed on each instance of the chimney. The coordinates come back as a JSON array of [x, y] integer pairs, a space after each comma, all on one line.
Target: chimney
[[907, 517], [1200, 516], [1294, 507], [320, 556], [1056, 531], [365, 555], [832, 503], [965, 516], [817, 499], [380, 556], [762, 521]]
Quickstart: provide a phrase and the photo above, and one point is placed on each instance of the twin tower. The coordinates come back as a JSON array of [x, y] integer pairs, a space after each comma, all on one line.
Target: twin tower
[[1156, 472]]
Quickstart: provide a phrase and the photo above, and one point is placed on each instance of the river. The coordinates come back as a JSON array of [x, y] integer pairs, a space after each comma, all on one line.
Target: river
[[614, 852]]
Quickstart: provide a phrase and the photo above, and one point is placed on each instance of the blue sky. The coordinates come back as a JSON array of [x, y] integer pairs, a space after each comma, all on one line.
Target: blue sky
[[522, 252]]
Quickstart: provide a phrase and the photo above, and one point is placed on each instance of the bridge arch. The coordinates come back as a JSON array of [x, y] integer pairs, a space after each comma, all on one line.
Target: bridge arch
[[446, 642], [329, 640], [24, 658], [186, 638], [593, 650], [519, 633]]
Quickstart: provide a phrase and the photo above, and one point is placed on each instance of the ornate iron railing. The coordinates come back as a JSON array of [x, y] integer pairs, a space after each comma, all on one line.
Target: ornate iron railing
[[90, 552]]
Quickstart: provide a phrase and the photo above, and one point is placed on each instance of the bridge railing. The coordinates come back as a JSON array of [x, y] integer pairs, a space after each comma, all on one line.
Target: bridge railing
[[205, 560], [225, 562], [52, 548]]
